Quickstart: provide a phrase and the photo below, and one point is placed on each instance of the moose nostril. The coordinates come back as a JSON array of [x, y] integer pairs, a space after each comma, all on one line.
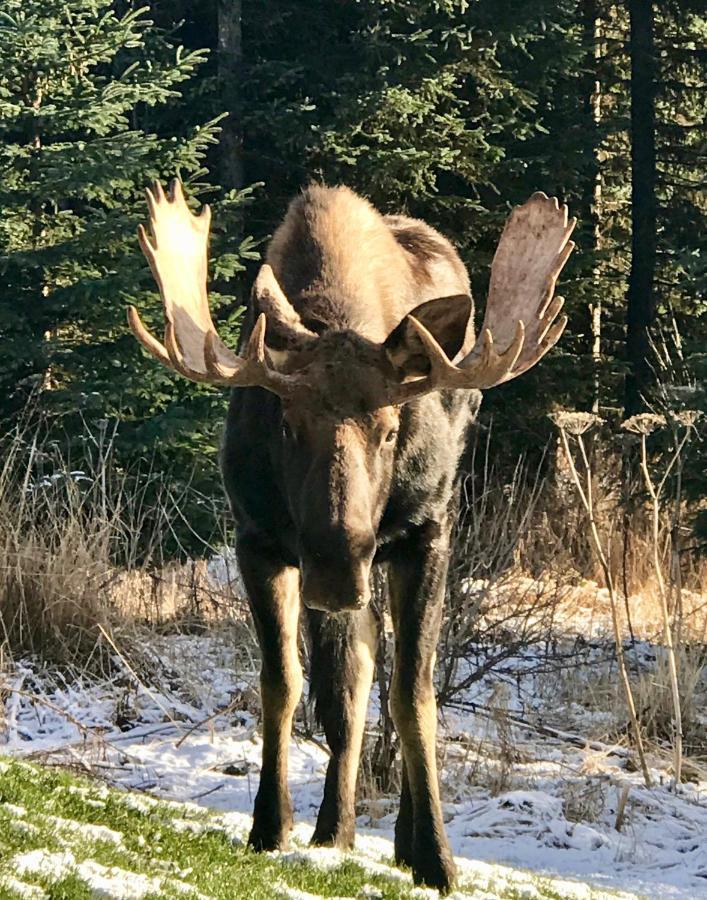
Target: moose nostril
[[335, 587]]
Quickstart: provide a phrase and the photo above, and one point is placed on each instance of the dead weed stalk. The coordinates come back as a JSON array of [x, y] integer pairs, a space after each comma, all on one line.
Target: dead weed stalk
[[578, 424]]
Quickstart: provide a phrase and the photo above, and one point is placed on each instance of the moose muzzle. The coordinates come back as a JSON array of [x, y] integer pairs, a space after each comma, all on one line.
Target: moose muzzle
[[341, 582]]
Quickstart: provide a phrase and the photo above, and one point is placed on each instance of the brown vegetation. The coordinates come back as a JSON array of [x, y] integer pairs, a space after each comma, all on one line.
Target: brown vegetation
[[514, 584]]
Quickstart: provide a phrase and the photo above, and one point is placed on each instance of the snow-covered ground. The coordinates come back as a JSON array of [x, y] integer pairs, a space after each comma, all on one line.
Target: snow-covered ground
[[513, 796]]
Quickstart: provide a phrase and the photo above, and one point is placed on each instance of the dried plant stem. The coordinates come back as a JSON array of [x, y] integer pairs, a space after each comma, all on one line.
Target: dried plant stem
[[33, 697], [121, 657], [587, 500], [667, 631], [621, 807], [222, 711], [675, 542]]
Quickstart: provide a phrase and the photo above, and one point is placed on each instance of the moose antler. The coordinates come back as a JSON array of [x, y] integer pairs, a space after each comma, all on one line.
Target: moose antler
[[521, 312], [176, 250]]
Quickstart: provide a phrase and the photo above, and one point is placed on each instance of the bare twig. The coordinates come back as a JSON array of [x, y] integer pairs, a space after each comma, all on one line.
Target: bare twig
[[621, 807], [586, 497], [654, 493]]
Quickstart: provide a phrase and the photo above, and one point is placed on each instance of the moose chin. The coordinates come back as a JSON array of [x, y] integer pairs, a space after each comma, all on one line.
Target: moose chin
[[357, 377]]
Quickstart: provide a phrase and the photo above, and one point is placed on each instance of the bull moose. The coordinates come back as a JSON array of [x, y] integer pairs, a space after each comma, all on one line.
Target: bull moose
[[354, 387]]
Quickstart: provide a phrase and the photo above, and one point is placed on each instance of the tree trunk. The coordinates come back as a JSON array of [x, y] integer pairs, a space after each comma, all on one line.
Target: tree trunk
[[640, 298], [230, 62], [592, 38]]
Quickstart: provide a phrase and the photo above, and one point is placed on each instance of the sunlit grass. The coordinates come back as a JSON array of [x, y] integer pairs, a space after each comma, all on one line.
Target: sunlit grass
[[162, 849]]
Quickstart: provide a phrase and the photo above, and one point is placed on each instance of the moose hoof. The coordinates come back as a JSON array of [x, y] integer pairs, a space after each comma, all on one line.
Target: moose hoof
[[343, 838], [434, 870], [272, 821], [271, 826], [262, 839]]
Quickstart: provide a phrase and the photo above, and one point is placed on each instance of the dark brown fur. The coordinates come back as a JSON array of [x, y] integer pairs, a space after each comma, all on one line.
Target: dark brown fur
[[337, 480]]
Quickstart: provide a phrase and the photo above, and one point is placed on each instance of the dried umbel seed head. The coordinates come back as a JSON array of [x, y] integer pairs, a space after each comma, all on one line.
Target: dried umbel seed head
[[576, 423], [644, 423], [687, 418]]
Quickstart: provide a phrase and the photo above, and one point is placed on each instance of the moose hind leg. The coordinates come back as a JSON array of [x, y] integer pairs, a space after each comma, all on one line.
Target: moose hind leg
[[343, 654], [273, 591], [417, 581]]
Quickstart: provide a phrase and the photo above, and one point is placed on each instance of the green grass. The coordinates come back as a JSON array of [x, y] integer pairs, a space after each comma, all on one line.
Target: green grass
[[189, 852]]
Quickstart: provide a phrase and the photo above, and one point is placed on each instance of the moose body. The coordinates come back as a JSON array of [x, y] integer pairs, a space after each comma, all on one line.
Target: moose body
[[341, 452]]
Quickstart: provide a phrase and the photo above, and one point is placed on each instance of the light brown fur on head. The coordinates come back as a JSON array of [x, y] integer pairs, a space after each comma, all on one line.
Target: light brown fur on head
[[343, 265]]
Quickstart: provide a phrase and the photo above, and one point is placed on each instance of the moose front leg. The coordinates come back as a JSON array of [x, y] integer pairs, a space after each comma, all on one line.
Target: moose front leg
[[273, 592], [343, 660], [417, 578]]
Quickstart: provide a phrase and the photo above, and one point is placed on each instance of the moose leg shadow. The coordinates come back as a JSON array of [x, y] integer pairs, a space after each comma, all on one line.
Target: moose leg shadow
[[417, 579], [273, 592], [342, 664]]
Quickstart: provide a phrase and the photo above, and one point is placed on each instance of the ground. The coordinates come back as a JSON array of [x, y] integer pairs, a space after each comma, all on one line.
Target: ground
[[61, 837], [528, 814]]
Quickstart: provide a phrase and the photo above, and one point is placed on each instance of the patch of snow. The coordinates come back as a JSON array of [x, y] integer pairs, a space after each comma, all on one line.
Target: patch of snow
[[103, 881], [140, 803], [87, 832], [223, 571], [52, 866], [284, 890], [21, 889], [24, 827], [327, 858], [13, 810], [86, 794], [526, 825], [116, 883]]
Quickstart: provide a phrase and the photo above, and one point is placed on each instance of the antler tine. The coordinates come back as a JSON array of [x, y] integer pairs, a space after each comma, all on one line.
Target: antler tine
[[487, 370], [148, 341], [255, 349], [551, 336], [252, 369], [521, 311], [439, 361], [176, 249], [175, 191], [177, 359]]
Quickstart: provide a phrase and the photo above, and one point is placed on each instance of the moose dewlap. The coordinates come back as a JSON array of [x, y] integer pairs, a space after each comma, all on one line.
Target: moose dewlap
[[356, 381]]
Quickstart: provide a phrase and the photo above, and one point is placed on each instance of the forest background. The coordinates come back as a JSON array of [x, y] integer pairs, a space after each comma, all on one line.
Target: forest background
[[450, 111]]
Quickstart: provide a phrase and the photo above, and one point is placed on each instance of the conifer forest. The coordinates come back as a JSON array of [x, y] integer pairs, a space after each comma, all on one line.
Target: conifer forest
[[570, 681]]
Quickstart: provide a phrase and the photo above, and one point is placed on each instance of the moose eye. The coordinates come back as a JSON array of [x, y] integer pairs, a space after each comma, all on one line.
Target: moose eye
[[391, 436], [287, 431]]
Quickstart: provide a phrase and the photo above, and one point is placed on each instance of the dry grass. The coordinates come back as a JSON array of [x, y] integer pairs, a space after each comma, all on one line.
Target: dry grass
[[71, 565], [653, 699], [81, 551], [584, 799], [585, 608]]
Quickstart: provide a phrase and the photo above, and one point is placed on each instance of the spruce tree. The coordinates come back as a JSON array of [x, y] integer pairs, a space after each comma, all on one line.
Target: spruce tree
[[89, 115]]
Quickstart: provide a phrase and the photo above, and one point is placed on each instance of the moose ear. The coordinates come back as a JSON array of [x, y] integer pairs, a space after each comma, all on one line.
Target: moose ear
[[446, 318]]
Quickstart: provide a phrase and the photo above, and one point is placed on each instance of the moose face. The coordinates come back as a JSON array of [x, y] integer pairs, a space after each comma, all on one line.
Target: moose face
[[339, 439], [340, 424]]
